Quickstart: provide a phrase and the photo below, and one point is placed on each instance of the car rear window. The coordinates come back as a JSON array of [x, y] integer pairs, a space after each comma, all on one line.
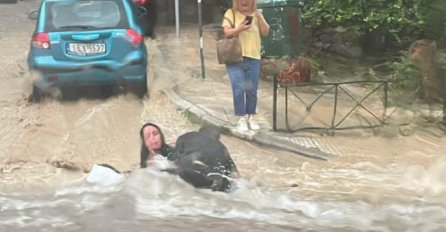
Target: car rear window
[[85, 15]]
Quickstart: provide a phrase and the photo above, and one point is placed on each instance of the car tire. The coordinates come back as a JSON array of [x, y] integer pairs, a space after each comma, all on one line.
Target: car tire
[[36, 95], [138, 88]]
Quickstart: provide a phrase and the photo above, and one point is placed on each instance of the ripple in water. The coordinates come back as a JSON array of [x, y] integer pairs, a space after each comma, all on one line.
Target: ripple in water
[[150, 199]]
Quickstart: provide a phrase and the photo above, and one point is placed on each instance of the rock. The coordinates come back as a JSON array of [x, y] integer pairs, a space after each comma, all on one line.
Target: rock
[[340, 29], [348, 51]]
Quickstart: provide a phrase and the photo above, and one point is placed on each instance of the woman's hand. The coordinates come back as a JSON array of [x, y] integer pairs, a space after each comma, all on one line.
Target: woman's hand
[[244, 26], [257, 14], [231, 32]]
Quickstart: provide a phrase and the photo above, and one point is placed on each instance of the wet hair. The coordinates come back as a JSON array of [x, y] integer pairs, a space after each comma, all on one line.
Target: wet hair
[[164, 150]]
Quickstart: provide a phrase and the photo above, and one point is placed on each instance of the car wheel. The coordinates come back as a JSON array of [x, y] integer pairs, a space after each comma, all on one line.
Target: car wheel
[[138, 88], [149, 33], [36, 95]]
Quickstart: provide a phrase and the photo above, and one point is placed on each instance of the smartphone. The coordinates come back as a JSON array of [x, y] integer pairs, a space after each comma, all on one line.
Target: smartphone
[[249, 19]]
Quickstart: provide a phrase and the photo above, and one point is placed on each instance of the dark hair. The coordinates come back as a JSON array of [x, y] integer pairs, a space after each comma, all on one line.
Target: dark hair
[[165, 149]]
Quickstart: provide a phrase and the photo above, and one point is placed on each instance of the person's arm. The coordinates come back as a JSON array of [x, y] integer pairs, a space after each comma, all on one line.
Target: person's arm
[[227, 21], [231, 32], [263, 25]]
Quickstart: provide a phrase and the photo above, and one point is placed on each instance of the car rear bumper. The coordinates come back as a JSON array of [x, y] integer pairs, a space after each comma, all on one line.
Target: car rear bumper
[[63, 73]]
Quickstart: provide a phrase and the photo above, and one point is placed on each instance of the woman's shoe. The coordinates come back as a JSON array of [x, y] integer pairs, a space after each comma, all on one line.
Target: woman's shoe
[[242, 125], [253, 125]]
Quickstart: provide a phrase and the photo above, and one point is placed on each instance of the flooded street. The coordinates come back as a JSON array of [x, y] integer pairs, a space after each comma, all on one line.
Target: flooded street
[[360, 197], [376, 189]]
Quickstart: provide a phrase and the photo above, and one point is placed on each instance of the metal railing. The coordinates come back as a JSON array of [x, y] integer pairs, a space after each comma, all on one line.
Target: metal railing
[[335, 123]]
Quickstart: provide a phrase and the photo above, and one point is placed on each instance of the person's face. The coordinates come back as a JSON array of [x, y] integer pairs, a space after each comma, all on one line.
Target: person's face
[[152, 138], [245, 5]]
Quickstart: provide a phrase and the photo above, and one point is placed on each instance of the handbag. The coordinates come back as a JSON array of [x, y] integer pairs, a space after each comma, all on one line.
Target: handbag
[[229, 50]]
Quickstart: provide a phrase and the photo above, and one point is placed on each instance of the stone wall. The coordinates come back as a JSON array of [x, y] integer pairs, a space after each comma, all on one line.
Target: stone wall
[[337, 40]]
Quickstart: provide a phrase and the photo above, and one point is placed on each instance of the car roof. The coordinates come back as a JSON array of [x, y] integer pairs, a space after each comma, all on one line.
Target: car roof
[[127, 4]]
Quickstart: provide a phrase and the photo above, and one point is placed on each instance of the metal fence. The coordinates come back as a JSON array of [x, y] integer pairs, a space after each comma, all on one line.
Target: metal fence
[[335, 122]]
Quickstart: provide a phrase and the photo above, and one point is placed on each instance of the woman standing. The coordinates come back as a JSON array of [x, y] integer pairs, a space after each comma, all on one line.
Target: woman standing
[[249, 25]]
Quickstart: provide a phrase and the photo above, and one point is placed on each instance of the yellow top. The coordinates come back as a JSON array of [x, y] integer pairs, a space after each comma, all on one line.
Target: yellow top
[[250, 40]]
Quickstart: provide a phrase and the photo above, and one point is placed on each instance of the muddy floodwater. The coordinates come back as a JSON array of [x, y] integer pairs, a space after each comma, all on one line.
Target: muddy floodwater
[[281, 192], [46, 149]]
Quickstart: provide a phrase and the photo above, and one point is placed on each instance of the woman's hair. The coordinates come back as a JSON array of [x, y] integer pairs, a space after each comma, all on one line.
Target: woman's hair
[[235, 7], [144, 150]]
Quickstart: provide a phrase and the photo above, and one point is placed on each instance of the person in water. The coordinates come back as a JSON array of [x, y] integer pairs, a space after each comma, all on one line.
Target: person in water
[[199, 158], [155, 153], [154, 149], [204, 161]]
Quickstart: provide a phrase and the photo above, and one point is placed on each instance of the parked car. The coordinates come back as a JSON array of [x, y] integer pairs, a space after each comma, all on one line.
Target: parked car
[[149, 20], [88, 42]]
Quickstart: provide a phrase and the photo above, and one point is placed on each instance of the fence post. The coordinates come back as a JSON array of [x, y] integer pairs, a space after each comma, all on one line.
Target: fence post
[[444, 102], [275, 102], [386, 103], [200, 31], [335, 108], [177, 18]]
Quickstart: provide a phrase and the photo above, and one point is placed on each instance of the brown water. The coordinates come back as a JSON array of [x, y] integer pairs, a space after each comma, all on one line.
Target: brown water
[[357, 197], [373, 188]]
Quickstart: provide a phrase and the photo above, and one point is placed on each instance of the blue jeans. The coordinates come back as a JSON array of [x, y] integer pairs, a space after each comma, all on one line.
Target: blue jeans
[[244, 78]]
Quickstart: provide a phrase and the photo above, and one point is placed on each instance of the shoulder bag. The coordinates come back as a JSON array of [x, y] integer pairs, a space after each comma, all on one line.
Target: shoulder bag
[[228, 49]]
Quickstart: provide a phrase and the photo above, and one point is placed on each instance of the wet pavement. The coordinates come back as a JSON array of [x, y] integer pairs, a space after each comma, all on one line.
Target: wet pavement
[[209, 100]]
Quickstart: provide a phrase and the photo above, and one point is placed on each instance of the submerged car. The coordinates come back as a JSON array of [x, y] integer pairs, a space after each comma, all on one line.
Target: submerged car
[[88, 42]]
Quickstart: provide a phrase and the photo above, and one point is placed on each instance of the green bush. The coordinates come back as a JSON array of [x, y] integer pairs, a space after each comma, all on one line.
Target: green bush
[[405, 81], [401, 21]]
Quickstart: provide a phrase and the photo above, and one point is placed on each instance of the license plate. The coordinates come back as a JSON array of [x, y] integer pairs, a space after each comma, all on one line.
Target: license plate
[[86, 49]]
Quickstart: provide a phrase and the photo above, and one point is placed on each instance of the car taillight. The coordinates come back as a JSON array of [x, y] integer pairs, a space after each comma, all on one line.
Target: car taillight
[[142, 2], [41, 40], [134, 37]]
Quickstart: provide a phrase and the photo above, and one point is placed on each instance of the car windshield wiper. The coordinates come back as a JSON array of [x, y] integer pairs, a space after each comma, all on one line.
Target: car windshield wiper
[[78, 27]]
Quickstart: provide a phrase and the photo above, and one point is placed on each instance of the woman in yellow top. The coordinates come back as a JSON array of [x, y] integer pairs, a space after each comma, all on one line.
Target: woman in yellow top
[[244, 75]]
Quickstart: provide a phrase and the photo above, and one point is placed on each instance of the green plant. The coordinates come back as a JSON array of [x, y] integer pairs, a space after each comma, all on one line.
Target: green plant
[[400, 20], [405, 81]]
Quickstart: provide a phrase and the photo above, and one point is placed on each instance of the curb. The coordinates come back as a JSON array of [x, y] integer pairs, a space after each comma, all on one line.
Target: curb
[[266, 138]]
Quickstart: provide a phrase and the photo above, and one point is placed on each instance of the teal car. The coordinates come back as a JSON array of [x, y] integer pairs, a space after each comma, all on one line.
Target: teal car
[[88, 42]]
